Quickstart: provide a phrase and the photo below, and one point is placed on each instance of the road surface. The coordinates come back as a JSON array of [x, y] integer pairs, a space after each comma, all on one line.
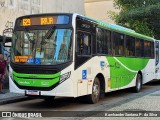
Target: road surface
[[78, 106]]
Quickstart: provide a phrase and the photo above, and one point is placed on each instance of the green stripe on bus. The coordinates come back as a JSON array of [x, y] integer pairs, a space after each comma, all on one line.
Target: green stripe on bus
[[123, 70], [36, 75], [36, 82]]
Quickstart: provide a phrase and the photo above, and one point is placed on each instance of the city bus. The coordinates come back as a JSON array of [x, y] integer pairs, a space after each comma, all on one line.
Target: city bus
[[70, 55]]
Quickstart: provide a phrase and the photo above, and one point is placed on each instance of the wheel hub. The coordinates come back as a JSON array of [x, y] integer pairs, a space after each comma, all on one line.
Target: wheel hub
[[96, 90]]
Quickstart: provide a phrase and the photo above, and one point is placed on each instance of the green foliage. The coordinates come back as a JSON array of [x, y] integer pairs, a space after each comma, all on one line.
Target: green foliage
[[143, 16]]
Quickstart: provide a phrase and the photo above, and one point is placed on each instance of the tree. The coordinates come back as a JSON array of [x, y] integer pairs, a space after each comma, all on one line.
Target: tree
[[143, 16]]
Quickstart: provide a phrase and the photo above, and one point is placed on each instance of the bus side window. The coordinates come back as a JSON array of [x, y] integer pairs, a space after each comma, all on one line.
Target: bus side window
[[130, 46], [118, 44], [83, 43], [152, 50], [139, 47], [103, 41], [100, 39], [108, 41], [147, 48]]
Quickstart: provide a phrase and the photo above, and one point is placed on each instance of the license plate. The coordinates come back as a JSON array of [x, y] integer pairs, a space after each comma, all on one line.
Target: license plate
[[32, 92]]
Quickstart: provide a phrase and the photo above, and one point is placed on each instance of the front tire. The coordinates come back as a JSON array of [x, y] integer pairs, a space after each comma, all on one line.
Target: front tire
[[94, 97], [138, 86]]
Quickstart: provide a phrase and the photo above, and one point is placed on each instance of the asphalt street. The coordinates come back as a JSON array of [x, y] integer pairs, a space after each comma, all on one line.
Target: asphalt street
[[123, 101]]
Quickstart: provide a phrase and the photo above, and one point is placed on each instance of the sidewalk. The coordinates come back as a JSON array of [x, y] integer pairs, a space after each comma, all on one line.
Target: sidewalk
[[8, 97], [143, 108], [150, 102]]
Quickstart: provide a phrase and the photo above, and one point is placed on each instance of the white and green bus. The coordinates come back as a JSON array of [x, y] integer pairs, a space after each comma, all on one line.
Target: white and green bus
[[70, 55]]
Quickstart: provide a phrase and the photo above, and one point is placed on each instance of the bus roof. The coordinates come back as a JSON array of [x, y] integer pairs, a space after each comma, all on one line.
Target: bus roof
[[124, 30], [119, 29]]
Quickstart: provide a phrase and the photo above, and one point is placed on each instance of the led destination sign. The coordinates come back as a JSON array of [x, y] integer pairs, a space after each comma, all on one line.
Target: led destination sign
[[44, 20]]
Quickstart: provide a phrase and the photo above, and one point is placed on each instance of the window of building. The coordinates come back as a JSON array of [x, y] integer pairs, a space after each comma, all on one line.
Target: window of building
[[118, 44], [35, 10], [24, 6], [103, 41], [11, 3], [130, 46], [83, 43], [36, 2], [139, 48]]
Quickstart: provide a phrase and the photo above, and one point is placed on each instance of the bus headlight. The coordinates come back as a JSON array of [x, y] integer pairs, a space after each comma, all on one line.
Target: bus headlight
[[65, 77]]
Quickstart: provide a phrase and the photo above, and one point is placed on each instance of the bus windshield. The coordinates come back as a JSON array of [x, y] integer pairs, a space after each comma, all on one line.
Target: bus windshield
[[45, 47]]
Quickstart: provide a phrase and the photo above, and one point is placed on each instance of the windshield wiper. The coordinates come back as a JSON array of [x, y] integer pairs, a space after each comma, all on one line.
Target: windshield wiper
[[47, 36]]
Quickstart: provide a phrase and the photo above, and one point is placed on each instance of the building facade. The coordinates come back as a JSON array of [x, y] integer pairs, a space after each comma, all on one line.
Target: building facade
[[11, 9], [99, 9]]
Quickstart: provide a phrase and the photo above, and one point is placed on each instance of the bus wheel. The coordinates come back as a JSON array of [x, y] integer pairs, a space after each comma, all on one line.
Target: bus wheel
[[94, 97], [138, 86]]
